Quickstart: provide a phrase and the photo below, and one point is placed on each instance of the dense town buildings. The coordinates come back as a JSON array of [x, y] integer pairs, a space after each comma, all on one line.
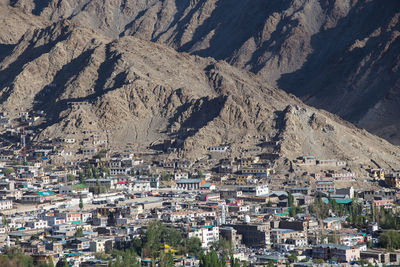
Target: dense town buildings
[[95, 201]]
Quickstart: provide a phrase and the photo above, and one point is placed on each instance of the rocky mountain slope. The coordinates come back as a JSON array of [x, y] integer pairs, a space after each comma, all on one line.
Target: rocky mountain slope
[[340, 55], [136, 93]]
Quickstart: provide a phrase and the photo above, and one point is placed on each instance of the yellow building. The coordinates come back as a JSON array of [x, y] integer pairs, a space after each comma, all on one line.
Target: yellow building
[[378, 174], [242, 179]]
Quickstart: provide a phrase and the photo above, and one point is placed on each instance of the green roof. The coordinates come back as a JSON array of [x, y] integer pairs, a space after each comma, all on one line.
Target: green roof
[[78, 186], [338, 200], [45, 193], [281, 213], [343, 200], [74, 254]]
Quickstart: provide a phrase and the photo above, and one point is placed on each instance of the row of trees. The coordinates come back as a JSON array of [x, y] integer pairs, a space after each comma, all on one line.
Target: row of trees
[[293, 208], [149, 244], [355, 212], [358, 216], [390, 239], [13, 257], [93, 172]]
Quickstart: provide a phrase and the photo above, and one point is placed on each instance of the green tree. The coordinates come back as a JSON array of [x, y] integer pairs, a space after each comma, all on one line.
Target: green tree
[[362, 262], [70, 177], [193, 245], [8, 171], [165, 176], [235, 262], [81, 177], [225, 247], [80, 202], [88, 172], [292, 258], [318, 261], [45, 264], [166, 260], [211, 260], [290, 200], [156, 235], [13, 257], [79, 232], [95, 172], [124, 258], [137, 245], [390, 239], [101, 154], [291, 205], [105, 172], [4, 221]]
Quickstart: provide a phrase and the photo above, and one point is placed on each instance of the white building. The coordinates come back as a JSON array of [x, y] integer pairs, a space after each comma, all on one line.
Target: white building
[[140, 186], [6, 204], [207, 234], [220, 149], [101, 245], [256, 190], [189, 184], [40, 224]]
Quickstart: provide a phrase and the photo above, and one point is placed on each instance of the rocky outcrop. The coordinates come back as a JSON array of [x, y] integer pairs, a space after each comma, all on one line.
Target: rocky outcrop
[[339, 55], [136, 93]]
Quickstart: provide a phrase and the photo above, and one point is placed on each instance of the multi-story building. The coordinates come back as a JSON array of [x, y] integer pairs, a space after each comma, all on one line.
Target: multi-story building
[[70, 217], [326, 186], [342, 253], [120, 166], [189, 184], [289, 236], [140, 186], [255, 190], [110, 183], [208, 234], [89, 152], [6, 204], [230, 234], [393, 179], [39, 224], [254, 235], [101, 245]]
